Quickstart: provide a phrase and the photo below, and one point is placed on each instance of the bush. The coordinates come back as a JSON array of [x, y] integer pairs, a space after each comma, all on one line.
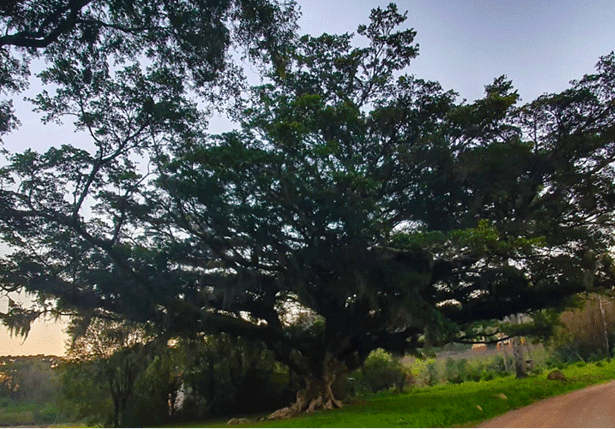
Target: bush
[[462, 370], [47, 414], [553, 362], [228, 375], [473, 372], [218, 376], [453, 371], [581, 333], [499, 365], [28, 379], [381, 371], [431, 378], [488, 375], [82, 397]]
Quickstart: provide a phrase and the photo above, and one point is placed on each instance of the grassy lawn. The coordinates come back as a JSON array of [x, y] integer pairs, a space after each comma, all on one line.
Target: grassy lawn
[[13, 414], [17, 414], [446, 405]]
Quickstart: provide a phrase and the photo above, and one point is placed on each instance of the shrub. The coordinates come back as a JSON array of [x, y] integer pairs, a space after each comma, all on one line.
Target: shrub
[[234, 376], [432, 373], [82, 397], [581, 333], [554, 362], [382, 371], [453, 371], [473, 372], [47, 414], [462, 370], [488, 375]]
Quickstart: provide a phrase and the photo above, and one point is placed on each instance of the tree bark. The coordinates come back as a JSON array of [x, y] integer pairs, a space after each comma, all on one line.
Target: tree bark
[[605, 330], [317, 394], [518, 353], [505, 354]]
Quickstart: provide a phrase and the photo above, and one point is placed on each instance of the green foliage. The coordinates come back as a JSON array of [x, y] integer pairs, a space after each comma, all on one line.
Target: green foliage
[[455, 370], [451, 369], [30, 390], [432, 373], [47, 414], [28, 378], [107, 360], [226, 376], [82, 396], [382, 371], [368, 202], [158, 387], [187, 39], [114, 380]]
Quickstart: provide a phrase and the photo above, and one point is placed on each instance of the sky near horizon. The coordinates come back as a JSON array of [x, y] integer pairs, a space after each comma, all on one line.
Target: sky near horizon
[[540, 45]]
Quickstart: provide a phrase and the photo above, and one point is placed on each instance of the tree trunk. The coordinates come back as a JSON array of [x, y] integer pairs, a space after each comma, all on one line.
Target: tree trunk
[[116, 413], [605, 329], [529, 362], [506, 360], [317, 394], [518, 353]]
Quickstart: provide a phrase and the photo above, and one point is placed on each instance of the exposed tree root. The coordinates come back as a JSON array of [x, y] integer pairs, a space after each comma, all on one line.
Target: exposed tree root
[[316, 396]]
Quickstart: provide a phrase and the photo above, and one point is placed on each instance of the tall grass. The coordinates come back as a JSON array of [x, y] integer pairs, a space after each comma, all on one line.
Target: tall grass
[[26, 413]]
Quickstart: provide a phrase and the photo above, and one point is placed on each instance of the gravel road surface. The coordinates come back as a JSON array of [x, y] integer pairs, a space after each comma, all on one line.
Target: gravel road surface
[[592, 407]]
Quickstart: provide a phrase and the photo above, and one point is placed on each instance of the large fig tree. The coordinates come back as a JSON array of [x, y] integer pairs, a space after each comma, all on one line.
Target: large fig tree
[[356, 207]]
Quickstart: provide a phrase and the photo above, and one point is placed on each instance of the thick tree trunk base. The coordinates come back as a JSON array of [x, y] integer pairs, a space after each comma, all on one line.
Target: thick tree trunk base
[[316, 396]]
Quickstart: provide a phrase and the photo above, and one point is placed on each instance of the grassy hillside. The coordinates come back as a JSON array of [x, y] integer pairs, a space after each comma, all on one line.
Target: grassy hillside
[[447, 405]]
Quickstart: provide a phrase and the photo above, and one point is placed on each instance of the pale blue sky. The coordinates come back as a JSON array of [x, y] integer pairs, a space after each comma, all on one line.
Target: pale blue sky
[[540, 45]]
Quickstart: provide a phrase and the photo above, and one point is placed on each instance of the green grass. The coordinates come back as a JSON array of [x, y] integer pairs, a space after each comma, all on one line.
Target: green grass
[[18, 414], [446, 405], [14, 413]]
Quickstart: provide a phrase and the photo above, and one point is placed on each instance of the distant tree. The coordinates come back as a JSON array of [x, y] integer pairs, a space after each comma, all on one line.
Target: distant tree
[[357, 207], [161, 382], [81, 396], [115, 353], [29, 379], [582, 330]]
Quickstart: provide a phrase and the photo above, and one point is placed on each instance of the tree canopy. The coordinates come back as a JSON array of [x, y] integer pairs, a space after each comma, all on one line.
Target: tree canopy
[[357, 207], [192, 39]]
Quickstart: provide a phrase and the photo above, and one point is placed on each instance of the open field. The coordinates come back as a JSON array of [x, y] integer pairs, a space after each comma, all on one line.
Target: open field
[[26, 414]]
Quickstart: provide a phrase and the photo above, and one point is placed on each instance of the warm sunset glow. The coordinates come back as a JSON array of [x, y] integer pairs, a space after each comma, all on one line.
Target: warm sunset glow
[[46, 337]]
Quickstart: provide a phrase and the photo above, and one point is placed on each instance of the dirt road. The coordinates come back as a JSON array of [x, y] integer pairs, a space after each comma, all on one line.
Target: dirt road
[[590, 407]]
